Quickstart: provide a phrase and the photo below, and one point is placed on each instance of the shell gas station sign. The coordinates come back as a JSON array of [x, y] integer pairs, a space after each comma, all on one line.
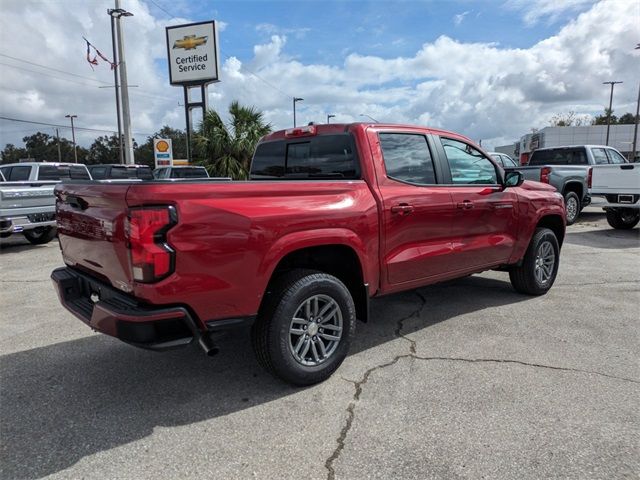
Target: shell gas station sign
[[163, 152]]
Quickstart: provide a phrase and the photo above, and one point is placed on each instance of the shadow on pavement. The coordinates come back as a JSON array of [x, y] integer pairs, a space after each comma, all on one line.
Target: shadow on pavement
[[69, 400], [603, 238]]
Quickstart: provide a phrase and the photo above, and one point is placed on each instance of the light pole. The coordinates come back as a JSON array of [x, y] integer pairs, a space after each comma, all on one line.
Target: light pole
[[295, 100], [609, 111], [329, 117], [124, 88], [365, 115], [117, 13], [73, 136]]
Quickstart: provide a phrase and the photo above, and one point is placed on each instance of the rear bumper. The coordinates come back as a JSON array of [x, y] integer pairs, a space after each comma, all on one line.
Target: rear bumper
[[19, 223], [108, 311]]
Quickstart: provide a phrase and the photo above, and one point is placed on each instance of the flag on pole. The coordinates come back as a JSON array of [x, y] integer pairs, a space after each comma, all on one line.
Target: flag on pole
[[94, 61]]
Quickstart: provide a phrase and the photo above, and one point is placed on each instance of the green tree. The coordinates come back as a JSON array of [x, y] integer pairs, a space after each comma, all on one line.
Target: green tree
[[42, 147], [602, 119], [106, 149], [627, 119], [12, 154], [226, 149]]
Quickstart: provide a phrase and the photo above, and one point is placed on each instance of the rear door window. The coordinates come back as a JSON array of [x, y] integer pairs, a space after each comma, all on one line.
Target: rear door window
[[324, 156], [599, 156], [407, 158]]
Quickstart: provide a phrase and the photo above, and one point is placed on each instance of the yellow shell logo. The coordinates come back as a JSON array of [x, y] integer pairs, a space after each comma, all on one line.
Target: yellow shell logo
[[162, 146]]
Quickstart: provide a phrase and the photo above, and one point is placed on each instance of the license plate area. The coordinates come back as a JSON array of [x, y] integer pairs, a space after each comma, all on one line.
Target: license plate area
[[625, 199]]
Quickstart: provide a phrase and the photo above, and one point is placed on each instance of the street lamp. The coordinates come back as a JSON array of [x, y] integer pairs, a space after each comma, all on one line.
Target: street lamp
[[365, 115], [295, 100], [609, 111], [329, 117], [73, 136]]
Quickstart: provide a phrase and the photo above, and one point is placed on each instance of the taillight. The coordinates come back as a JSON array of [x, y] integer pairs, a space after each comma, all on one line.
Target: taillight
[[590, 177], [545, 172], [307, 131], [152, 258]]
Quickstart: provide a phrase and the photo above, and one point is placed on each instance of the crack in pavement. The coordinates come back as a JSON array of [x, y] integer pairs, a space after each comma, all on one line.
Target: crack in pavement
[[340, 441]]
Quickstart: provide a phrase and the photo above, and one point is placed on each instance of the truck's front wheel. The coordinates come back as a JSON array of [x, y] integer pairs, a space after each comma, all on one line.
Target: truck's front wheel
[[305, 327]]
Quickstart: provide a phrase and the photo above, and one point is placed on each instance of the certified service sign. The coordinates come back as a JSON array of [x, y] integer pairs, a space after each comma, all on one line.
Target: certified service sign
[[193, 53]]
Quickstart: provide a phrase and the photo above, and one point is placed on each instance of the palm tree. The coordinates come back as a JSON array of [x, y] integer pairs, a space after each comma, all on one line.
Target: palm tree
[[226, 149]]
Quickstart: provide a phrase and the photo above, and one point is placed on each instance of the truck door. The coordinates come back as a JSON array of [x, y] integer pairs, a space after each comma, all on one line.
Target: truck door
[[416, 212], [483, 230]]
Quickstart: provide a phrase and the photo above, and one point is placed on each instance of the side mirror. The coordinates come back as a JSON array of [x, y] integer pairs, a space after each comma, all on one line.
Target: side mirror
[[513, 179]]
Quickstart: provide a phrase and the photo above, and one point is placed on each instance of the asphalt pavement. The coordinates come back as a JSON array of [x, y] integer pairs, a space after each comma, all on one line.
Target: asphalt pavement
[[466, 379]]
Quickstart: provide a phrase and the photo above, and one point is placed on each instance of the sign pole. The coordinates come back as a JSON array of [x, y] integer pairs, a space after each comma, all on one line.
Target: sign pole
[[187, 117]]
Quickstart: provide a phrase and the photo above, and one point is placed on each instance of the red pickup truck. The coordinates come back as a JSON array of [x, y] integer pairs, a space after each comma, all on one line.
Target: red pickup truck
[[332, 216]]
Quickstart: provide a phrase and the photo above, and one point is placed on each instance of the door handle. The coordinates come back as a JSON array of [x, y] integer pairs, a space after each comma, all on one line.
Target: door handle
[[466, 205], [402, 209]]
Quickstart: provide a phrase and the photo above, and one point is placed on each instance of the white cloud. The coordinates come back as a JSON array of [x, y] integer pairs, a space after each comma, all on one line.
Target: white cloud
[[480, 89], [536, 10], [459, 18]]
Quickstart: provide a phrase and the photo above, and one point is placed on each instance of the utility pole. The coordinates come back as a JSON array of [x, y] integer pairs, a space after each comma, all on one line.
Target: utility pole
[[124, 90], [295, 100], [609, 111], [117, 13], [73, 136], [329, 117], [59, 152]]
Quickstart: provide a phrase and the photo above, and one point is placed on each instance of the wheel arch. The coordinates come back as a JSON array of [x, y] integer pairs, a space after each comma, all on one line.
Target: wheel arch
[[555, 223], [335, 256]]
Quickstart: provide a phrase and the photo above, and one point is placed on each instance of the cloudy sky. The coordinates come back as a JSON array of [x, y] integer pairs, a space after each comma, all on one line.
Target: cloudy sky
[[491, 69]]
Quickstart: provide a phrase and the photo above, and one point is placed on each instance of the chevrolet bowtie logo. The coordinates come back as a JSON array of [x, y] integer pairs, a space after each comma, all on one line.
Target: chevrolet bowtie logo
[[190, 42]]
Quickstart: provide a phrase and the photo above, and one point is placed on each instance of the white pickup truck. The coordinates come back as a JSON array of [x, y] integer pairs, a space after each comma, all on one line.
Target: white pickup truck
[[27, 202], [616, 188]]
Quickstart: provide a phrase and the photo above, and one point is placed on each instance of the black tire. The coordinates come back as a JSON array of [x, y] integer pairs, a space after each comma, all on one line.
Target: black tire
[[573, 205], [40, 236], [525, 278], [623, 218], [271, 336]]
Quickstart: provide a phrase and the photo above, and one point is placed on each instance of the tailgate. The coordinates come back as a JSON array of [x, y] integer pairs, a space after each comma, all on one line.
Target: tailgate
[[622, 178], [91, 220], [25, 195]]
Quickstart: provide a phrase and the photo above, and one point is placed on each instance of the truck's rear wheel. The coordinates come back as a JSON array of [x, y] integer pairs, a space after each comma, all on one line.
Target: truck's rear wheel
[[623, 218], [305, 327], [40, 235], [572, 206], [540, 264]]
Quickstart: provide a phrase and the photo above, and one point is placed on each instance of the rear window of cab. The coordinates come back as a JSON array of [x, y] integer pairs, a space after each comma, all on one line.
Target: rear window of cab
[[320, 157]]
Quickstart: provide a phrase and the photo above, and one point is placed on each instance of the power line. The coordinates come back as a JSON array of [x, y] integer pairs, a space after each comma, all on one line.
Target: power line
[[53, 69], [67, 126], [163, 9], [139, 94]]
